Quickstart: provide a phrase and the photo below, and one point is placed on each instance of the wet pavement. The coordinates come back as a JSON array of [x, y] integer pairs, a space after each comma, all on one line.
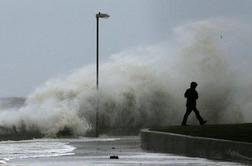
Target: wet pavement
[[97, 151]]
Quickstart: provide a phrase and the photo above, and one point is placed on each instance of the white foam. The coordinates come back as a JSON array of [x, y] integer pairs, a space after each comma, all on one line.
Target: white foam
[[144, 86], [33, 148]]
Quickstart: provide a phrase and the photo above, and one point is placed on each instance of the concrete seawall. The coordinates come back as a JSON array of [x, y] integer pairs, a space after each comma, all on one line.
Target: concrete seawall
[[193, 146]]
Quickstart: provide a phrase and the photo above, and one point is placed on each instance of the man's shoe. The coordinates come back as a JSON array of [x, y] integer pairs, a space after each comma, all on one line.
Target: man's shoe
[[203, 122]]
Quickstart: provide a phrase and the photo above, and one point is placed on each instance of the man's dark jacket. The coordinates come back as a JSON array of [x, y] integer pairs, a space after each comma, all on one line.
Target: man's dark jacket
[[192, 96]]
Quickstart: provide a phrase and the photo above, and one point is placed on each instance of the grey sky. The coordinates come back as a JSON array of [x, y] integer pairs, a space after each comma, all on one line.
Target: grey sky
[[40, 39]]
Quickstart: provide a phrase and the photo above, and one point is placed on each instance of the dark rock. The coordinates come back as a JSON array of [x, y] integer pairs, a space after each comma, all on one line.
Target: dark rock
[[114, 157]]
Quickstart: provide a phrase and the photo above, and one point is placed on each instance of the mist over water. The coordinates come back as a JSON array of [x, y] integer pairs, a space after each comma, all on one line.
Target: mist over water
[[144, 87]]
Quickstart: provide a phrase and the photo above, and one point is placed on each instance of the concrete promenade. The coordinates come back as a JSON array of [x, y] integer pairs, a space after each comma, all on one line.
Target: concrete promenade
[[194, 146]]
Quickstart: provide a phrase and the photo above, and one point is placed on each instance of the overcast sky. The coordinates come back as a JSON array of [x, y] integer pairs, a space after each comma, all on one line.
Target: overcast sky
[[40, 39]]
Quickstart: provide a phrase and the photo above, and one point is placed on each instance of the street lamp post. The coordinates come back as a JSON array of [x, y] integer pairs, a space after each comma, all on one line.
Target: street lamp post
[[98, 15]]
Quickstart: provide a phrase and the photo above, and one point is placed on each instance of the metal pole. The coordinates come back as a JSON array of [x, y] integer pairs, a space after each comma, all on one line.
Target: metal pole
[[97, 76], [97, 53]]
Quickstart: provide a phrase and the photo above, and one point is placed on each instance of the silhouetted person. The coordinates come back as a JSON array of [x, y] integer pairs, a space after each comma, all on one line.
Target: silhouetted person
[[192, 95]]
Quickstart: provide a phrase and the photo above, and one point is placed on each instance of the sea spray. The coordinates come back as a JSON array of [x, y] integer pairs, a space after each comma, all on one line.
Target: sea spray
[[141, 87]]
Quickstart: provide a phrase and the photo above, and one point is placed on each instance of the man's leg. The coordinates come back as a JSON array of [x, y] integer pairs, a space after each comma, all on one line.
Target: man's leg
[[198, 116], [188, 111]]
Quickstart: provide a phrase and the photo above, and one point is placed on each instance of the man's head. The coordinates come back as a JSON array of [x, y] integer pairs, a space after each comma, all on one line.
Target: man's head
[[193, 85]]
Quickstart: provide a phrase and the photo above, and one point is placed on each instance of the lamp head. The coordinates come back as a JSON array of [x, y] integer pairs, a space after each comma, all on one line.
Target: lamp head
[[102, 15]]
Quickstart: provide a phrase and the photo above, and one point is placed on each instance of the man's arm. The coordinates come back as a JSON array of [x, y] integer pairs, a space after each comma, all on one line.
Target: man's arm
[[196, 95]]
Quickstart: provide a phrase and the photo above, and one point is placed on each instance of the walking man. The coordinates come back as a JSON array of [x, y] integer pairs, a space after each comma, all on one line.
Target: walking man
[[192, 95]]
